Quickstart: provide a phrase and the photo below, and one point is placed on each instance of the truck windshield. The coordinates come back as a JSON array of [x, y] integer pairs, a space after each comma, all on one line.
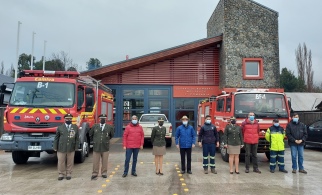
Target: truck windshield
[[43, 94], [262, 104], [151, 118]]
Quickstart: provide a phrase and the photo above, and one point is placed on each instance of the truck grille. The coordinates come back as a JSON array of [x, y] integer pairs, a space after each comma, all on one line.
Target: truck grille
[[37, 125]]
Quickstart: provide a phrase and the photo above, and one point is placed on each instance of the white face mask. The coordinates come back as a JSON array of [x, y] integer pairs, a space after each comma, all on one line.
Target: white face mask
[[134, 121], [184, 122], [208, 121]]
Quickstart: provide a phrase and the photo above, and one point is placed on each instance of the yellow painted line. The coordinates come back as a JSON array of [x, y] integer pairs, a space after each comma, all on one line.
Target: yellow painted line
[[33, 110], [53, 111], [166, 163], [186, 189], [178, 171], [111, 175], [104, 185], [183, 184], [62, 111], [180, 175], [116, 169], [99, 191], [23, 110], [174, 194], [107, 180], [113, 172], [141, 162], [181, 179], [14, 110], [118, 166], [175, 165], [43, 111], [177, 168]]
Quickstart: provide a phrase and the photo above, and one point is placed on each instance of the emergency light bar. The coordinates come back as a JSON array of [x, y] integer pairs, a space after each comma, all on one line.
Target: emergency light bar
[[251, 90], [48, 73]]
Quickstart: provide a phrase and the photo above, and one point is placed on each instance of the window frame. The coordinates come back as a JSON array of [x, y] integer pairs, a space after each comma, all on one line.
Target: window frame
[[260, 69]]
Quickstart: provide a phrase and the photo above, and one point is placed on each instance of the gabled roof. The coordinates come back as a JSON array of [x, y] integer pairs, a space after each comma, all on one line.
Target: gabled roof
[[153, 57], [302, 101]]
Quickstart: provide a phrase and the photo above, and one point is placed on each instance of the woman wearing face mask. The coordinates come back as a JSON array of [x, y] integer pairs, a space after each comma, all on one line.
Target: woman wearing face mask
[[185, 141], [159, 143], [233, 141]]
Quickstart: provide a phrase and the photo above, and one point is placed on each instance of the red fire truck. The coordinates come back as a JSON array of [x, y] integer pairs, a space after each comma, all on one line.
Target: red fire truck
[[37, 106], [267, 104]]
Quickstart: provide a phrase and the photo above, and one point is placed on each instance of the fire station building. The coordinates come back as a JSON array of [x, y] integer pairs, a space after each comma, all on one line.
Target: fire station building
[[240, 51]]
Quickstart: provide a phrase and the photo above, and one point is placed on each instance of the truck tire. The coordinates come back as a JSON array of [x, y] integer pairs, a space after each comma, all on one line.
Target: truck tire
[[169, 142], [81, 155], [20, 157], [268, 155], [223, 150]]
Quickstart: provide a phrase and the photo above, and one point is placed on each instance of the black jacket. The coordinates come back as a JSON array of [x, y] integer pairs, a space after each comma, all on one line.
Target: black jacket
[[296, 131], [208, 134]]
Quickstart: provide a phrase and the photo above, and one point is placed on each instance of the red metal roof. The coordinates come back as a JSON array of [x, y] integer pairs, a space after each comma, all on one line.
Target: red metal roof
[[153, 57]]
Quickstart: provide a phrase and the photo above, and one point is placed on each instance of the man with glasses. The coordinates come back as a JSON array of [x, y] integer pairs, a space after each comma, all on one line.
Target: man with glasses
[[250, 129], [296, 134]]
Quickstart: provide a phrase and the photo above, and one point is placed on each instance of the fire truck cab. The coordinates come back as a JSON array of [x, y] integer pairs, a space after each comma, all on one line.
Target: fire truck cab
[[37, 106], [267, 104]]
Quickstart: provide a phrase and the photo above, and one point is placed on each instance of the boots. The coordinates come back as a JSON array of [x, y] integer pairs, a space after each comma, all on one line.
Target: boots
[[205, 170], [213, 170]]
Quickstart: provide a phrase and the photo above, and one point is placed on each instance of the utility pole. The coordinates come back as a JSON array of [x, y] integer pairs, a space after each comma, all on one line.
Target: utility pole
[[32, 52], [44, 58], [17, 51]]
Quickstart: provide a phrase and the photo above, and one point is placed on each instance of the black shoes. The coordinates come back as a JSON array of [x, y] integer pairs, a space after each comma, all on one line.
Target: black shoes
[[182, 172], [272, 170], [257, 171], [94, 177], [303, 171], [284, 171], [237, 172], [134, 174], [189, 172], [68, 177], [124, 175], [104, 176], [247, 171], [60, 178]]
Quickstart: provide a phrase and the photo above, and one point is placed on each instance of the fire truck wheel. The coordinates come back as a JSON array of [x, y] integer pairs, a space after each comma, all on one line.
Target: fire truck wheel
[[20, 157], [268, 156], [81, 155]]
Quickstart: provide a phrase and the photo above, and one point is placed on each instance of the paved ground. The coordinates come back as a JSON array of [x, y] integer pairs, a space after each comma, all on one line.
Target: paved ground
[[39, 176]]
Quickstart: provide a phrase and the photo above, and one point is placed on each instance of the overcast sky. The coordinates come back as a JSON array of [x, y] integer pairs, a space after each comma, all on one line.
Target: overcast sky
[[111, 29]]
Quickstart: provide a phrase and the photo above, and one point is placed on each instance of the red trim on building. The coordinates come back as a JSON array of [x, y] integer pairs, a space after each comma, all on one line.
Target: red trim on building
[[260, 69]]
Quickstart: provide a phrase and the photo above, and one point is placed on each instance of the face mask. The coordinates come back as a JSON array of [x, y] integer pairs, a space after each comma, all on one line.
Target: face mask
[[102, 121], [251, 118], [276, 124], [161, 124], [134, 122], [68, 122], [233, 122], [185, 122], [295, 120], [208, 121]]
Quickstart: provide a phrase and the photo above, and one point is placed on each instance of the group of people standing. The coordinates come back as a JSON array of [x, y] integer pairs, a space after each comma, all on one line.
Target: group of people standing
[[235, 137]]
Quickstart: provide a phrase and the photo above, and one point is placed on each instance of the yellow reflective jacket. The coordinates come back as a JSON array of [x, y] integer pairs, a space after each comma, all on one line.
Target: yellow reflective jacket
[[275, 135]]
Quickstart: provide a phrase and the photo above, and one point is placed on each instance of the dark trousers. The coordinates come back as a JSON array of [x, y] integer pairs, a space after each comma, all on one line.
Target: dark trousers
[[209, 149], [183, 152], [251, 150], [128, 154], [276, 156]]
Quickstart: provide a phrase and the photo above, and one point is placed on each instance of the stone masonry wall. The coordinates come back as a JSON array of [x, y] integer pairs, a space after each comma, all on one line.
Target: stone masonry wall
[[249, 30]]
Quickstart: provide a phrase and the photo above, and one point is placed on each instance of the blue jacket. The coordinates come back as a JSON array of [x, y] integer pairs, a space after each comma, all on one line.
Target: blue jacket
[[185, 136]]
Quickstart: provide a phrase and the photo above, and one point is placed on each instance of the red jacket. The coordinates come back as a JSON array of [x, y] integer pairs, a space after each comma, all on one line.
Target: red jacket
[[133, 136], [250, 131]]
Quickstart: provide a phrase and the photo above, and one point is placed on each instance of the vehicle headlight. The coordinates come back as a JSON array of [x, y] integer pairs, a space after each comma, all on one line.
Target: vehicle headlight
[[7, 137]]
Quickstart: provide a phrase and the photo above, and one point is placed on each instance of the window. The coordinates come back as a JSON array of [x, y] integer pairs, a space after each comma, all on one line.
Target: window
[[220, 105], [253, 68], [228, 104], [109, 111]]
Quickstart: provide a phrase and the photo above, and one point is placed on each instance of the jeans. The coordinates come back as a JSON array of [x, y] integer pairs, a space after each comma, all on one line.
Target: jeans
[[251, 149], [297, 151], [276, 156], [128, 155], [206, 150], [183, 152]]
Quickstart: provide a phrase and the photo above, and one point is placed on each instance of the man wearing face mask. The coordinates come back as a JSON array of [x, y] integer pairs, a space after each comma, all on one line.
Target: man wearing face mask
[[133, 140], [250, 129], [275, 136], [209, 136], [185, 141], [296, 134], [65, 143], [101, 134]]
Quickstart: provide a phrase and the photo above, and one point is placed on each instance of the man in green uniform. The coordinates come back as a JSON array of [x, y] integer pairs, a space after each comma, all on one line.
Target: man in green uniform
[[101, 134], [65, 143]]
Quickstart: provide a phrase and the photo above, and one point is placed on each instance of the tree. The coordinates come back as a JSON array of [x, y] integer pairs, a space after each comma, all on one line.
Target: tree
[[10, 72], [93, 63], [71, 68], [54, 64], [64, 58], [290, 82], [2, 68], [304, 66], [24, 62]]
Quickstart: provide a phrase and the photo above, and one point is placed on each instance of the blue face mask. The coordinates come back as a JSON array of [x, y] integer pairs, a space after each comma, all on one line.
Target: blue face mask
[[251, 118], [208, 121], [295, 120], [276, 124], [134, 122], [185, 122]]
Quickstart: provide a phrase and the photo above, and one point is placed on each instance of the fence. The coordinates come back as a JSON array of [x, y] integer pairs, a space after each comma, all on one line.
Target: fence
[[309, 117]]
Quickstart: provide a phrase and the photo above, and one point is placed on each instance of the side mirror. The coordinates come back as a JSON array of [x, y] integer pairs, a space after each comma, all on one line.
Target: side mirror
[[1, 98], [3, 88], [289, 104]]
